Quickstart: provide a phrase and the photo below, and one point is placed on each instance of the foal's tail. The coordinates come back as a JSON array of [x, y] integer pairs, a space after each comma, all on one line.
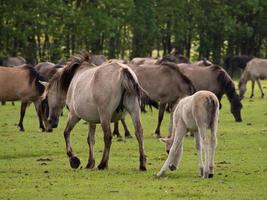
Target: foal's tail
[[131, 85], [213, 111]]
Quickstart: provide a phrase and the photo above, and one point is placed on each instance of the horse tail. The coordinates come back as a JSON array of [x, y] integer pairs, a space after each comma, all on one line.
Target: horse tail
[[131, 85], [213, 110], [36, 77]]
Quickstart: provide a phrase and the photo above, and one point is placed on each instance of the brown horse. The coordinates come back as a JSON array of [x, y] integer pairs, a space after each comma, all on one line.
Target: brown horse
[[98, 95], [47, 69], [12, 61], [140, 61], [172, 85], [22, 83], [215, 79]]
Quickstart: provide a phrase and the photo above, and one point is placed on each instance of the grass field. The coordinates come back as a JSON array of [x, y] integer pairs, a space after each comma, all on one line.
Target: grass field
[[34, 165]]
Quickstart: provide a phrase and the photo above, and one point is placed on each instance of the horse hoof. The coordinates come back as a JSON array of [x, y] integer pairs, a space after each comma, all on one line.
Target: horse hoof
[[128, 136], [211, 175], [142, 168], [172, 167], [156, 135], [102, 166], [74, 162], [90, 165]]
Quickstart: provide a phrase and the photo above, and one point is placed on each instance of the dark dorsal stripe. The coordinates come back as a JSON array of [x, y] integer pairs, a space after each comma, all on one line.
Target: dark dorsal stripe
[[183, 76]]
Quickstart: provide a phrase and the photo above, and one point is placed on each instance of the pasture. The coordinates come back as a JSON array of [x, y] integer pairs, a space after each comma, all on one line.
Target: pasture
[[34, 165]]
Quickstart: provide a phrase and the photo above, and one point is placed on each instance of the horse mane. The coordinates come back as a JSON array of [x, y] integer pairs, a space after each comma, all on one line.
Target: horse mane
[[225, 82], [35, 76], [183, 76], [71, 68]]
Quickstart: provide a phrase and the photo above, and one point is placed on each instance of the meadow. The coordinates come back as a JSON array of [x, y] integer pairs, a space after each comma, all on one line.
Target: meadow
[[34, 165]]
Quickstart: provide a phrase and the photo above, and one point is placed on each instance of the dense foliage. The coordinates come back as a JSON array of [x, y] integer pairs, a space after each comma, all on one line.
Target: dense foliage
[[54, 29]]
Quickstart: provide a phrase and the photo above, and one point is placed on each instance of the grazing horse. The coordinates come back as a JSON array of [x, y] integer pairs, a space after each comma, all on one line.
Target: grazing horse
[[12, 61], [98, 95], [196, 113], [173, 85], [215, 79], [255, 70], [22, 83], [232, 62]]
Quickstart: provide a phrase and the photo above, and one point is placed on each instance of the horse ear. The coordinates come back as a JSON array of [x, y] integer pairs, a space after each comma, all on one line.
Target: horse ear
[[44, 83], [165, 140]]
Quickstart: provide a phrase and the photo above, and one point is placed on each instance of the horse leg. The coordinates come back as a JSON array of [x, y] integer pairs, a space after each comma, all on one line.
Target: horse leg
[[199, 152], [22, 114], [91, 143], [259, 84], [176, 151], [162, 107], [38, 108], [116, 131], [171, 125], [213, 143], [3, 103], [127, 133], [135, 115], [72, 120], [252, 88], [105, 123], [205, 142]]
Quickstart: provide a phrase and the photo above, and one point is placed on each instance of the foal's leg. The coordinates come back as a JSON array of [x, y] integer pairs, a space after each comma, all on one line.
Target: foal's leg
[[176, 150], [252, 88], [72, 120], [206, 146], [213, 145], [259, 84], [105, 123], [91, 143], [22, 114], [162, 107], [199, 152]]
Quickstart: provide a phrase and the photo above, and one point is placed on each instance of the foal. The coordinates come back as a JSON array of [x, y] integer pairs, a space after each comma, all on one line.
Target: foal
[[196, 113]]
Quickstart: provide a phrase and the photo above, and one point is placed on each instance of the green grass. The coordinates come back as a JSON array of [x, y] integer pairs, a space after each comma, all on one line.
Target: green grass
[[240, 171]]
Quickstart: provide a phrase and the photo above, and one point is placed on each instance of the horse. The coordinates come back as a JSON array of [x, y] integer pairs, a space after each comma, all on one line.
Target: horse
[[98, 95], [255, 70], [12, 61], [215, 79], [98, 59], [22, 83], [174, 57], [47, 69], [140, 61], [173, 85], [232, 62], [204, 62], [197, 113]]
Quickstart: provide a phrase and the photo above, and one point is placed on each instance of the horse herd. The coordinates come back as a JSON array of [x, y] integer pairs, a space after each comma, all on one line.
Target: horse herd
[[103, 91]]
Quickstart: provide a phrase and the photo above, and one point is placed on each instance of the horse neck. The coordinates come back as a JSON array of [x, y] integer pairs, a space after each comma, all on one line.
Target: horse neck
[[244, 77]]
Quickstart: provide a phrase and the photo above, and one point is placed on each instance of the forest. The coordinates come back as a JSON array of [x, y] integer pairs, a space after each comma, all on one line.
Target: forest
[[52, 30]]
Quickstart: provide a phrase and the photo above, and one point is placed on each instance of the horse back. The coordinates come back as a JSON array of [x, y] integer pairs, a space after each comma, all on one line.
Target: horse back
[[15, 84]]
